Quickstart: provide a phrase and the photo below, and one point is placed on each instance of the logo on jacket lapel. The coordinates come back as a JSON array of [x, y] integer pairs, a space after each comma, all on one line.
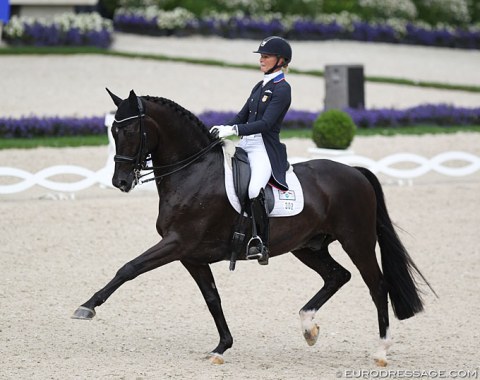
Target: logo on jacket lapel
[[266, 95]]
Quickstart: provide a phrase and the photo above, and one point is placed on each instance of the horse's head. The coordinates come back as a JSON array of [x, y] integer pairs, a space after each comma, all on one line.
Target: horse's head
[[157, 128], [129, 130]]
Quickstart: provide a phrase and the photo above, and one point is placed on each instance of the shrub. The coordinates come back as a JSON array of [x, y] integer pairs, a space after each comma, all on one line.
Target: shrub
[[434, 12], [381, 9], [106, 8], [474, 9], [335, 6], [333, 129], [263, 7]]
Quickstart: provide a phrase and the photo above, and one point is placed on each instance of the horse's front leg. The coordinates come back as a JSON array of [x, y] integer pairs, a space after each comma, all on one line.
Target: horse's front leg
[[203, 276], [160, 254]]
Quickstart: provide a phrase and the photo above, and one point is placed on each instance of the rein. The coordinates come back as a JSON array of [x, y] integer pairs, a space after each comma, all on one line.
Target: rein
[[141, 158], [183, 164]]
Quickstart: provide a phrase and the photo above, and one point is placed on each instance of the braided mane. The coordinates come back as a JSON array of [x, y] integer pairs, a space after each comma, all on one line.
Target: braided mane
[[180, 111]]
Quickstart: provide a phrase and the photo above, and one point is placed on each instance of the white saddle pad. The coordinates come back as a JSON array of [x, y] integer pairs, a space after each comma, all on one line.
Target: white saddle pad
[[287, 203]]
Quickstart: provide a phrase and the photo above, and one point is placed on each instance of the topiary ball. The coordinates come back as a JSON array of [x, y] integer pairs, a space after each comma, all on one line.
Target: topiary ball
[[333, 129]]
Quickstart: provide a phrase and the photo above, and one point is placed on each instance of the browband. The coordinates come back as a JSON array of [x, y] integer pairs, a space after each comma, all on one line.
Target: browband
[[129, 118]]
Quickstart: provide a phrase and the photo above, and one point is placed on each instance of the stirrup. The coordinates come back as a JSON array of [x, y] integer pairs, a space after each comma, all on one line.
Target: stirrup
[[256, 250]]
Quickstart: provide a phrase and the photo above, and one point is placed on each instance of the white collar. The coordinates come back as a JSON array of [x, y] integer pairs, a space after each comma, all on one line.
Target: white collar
[[268, 77]]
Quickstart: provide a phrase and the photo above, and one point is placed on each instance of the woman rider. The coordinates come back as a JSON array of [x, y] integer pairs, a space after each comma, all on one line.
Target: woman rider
[[258, 124]]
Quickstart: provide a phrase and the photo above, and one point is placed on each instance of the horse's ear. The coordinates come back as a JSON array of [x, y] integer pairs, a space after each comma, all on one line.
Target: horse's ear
[[114, 97], [132, 98]]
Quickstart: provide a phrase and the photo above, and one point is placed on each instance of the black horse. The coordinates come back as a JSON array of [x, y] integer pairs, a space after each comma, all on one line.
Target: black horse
[[195, 219]]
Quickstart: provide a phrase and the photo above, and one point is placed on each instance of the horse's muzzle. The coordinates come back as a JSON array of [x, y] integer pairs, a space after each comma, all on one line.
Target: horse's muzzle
[[124, 182]]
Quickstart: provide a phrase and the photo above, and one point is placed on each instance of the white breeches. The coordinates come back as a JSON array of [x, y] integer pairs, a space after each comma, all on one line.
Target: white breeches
[[259, 163]]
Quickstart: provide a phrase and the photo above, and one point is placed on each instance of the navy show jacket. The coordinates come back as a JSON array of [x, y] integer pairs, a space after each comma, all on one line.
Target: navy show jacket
[[263, 113]]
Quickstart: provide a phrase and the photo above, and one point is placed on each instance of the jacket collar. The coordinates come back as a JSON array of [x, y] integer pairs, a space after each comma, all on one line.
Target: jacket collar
[[279, 78], [276, 77]]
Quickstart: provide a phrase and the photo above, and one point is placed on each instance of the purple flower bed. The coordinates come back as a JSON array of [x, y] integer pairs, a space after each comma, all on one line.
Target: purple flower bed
[[87, 29], [362, 31], [310, 30], [247, 27], [41, 35], [136, 24], [27, 127], [307, 29], [429, 114]]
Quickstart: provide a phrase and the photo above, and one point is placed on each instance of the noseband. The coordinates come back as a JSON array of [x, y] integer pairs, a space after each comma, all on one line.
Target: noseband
[[140, 159]]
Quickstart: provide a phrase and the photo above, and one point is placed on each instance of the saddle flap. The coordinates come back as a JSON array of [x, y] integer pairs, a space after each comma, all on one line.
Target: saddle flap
[[241, 179], [237, 178]]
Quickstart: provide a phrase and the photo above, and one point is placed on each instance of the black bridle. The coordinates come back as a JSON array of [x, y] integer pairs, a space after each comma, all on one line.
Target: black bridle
[[140, 159]]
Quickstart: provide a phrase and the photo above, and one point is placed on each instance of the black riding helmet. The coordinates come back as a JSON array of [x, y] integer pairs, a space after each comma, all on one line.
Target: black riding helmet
[[278, 46]]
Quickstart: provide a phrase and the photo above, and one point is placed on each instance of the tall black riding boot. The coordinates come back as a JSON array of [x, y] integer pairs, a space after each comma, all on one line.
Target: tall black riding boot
[[257, 248]]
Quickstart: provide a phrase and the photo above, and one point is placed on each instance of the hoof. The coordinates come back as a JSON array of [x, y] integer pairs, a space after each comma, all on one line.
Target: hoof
[[381, 362], [83, 313], [311, 335], [380, 356], [215, 358]]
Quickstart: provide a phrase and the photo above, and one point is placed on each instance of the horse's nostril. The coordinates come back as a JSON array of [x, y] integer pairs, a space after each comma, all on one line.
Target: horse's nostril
[[123, 186], [119, 183]]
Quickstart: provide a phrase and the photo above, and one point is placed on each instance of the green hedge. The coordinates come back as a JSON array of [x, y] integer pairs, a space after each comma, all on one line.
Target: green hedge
[[433, 12]]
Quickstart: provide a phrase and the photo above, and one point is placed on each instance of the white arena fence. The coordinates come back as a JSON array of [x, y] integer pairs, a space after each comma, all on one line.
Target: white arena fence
[[386, 165]]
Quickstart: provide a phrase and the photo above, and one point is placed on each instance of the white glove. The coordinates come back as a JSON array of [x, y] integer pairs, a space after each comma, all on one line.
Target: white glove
[[224, 130]]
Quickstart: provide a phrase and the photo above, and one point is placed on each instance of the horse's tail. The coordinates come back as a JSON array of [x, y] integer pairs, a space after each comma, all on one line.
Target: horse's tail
[[399, 270]]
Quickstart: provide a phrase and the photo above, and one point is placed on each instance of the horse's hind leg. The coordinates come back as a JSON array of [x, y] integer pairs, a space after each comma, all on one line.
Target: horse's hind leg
[[363, 256], [334, 275]]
